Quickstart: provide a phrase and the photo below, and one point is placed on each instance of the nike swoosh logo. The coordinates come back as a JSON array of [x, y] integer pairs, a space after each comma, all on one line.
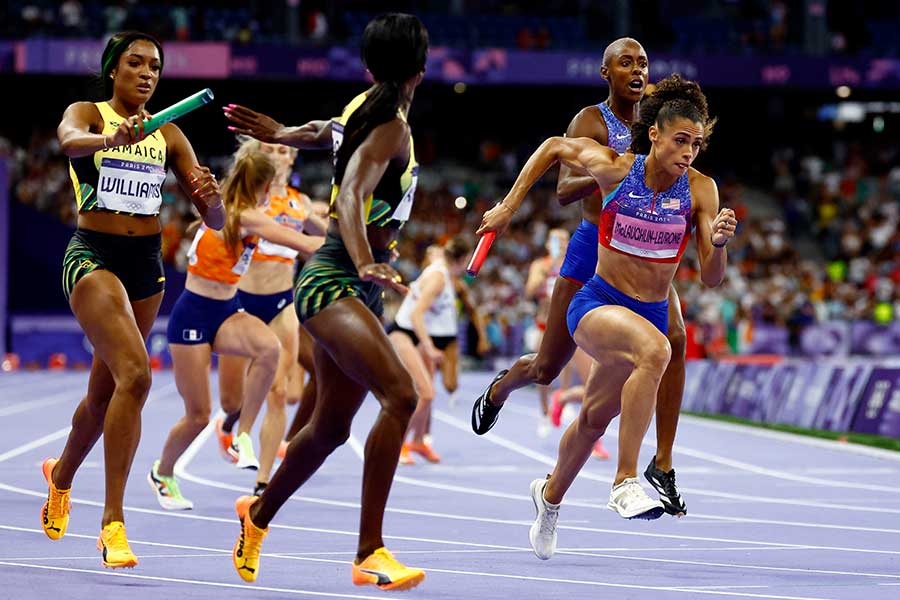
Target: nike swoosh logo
[[633, 195], [623, 136]]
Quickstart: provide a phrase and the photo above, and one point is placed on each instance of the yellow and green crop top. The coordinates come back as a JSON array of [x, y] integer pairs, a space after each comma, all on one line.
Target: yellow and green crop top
[[125, 179], [391, 202]]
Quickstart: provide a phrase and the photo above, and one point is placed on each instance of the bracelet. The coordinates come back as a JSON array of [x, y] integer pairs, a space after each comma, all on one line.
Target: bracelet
[[715, 245], [511, 211], [105, 147]]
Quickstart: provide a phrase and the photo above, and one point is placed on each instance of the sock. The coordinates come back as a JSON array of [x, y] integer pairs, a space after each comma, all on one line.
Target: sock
[[230, 420]]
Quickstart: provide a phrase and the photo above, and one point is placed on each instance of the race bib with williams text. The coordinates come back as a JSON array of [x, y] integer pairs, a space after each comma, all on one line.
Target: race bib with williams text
[[129, 186]]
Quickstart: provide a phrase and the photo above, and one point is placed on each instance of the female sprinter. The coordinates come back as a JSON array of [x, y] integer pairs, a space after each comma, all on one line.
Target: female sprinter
[[266, 291], [112, 269], [625, 67], [338, 296], [423, 329], [208, 318], [653, 200]]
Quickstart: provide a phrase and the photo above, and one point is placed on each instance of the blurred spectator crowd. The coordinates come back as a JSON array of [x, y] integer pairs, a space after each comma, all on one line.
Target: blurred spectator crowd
[[819, 27], [819, 243]]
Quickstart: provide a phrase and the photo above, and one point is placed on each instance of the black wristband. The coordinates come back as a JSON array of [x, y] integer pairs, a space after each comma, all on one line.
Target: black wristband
[[715, 245]]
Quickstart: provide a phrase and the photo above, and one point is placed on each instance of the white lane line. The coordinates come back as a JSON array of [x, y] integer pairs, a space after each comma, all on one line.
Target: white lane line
[[94, 557], [41, 441], [451, 571], [357, 447], [551, 462], [198, 517], [736, 566], [215, 584], [794, 438], [32, 404], [751, 544], [778, 474], [233, 522]]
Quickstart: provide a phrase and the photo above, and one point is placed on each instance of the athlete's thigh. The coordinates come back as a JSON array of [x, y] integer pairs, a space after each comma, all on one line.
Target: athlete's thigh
[[338, 397], [285, 326], [101, 384], [582, 363], [676, 319], [243, 334], [305, 343], [101, 306], [355, 339], [612, 333]]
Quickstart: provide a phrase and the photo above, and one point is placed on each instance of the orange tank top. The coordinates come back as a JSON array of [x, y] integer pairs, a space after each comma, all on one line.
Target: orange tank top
[[289, 211], [209, 257]]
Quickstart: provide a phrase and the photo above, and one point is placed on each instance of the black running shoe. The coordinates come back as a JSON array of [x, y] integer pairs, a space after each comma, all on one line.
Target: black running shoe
[[664, 483], [484, 414]]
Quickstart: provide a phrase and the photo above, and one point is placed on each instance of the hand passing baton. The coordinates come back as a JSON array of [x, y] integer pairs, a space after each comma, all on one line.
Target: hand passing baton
[[179, 109], [481, 251]]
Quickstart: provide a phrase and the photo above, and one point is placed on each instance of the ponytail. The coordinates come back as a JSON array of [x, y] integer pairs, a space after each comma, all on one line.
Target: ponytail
[[251, 171], [394, 48], [379, 107]]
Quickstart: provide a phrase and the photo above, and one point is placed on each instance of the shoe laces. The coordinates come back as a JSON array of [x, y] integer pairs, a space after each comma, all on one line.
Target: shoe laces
[[548, 520], [57, 503], [632, 492], [171, 484], [668, 482], [115, 538]]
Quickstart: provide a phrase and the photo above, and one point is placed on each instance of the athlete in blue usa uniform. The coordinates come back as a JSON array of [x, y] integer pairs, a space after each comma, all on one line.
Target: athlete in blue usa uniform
[[625, 67], [652, 202]]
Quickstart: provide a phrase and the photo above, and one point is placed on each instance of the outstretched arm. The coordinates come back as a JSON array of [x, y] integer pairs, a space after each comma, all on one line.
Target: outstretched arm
[[315, 135], [583, 154], [258, 223], [714, 228]]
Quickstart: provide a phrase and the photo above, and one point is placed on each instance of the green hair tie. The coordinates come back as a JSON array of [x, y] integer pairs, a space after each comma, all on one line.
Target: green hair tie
[[112, 53]]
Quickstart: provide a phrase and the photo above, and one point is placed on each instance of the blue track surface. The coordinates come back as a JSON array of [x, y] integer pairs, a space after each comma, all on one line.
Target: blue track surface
[[771, 515]]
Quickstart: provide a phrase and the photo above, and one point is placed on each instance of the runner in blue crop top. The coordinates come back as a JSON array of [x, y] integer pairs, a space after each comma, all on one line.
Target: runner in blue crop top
[[652, 201], [625, 67]]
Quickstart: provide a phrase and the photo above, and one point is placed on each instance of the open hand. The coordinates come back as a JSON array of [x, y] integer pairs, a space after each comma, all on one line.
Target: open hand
[[249, 122]]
